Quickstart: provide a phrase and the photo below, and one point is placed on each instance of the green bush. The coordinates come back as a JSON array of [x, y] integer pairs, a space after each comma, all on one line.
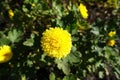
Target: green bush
[[95, 39]]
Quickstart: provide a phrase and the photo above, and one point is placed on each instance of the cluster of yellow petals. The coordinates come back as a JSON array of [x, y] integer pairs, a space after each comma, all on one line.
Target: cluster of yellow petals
[[5, 53], [11, 13], [111, 42], [112, 33], [56, 42], [83, 10]]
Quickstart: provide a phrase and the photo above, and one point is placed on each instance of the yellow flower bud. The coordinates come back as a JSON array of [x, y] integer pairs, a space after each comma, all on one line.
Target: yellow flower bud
[[83, 10], [11, 13], [33, 5], [111, 42], [112, 33]]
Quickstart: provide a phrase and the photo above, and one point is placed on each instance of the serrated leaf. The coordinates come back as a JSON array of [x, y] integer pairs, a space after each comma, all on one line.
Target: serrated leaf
[[30, 41], [3, 39], [73, 57], [64, 66], [15, 36]]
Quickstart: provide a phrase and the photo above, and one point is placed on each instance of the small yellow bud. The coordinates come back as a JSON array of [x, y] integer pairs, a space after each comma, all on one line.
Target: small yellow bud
[[112, 33], [111, 42], [11, 13], [83, 10], [33, 5]]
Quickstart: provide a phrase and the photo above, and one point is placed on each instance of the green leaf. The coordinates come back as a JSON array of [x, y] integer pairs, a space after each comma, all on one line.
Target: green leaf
[[29, 42], [24, 8], [35, 1], [64, 66], [95, 30], [91, 59], [109, 52], [15, 36], [101, 74], [69, 77], [74, 31], [23, 77], [72, 58], [117, 70], [3, 39], [67, 28], [52, 76], [74, 48], [75, 38]]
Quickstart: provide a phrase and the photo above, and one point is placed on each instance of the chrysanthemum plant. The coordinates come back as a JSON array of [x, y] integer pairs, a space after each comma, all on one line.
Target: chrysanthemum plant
[[59, 40]]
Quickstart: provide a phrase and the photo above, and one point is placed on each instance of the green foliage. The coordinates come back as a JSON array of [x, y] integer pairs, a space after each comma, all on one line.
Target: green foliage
[[30, 41], [3, 39], [90, 57], [63, 65], [70, 77], [52, 76], [14, 35]]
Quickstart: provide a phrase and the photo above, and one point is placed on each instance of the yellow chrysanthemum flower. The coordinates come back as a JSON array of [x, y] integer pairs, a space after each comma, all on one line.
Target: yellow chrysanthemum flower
[[83, 10], [112, 33], [11, 13], [5, 53], [111, 42], [56, 42]]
